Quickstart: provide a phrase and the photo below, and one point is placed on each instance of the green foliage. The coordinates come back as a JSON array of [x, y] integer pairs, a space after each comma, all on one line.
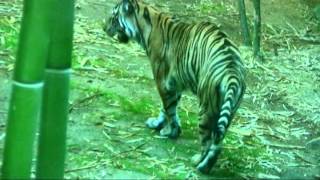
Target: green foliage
[[242, 155], [9, 32], [210, 7], [8, 41]]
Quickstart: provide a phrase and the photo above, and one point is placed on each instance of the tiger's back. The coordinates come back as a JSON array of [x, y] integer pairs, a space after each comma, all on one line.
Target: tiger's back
[[202, 52]]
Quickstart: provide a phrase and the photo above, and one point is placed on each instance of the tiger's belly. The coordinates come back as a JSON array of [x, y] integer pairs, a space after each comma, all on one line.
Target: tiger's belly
[[186, 81]]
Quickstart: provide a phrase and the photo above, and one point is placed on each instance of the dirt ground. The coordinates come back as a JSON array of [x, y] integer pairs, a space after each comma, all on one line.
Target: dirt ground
[[274, 135]]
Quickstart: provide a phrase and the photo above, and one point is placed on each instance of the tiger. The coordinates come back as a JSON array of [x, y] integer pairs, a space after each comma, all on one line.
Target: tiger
[[194, 56]]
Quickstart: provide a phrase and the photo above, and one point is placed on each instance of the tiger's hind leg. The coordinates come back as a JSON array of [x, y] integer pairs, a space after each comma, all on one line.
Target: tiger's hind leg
[[168, 121], [210, 149], [226, 103]]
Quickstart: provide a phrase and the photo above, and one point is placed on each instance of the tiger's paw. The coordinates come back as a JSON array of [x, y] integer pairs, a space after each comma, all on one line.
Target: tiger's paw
[[155, 123], [171, 130], [208, 159]]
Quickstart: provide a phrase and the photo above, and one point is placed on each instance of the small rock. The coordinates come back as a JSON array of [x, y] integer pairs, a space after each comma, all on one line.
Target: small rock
[[314, 144]]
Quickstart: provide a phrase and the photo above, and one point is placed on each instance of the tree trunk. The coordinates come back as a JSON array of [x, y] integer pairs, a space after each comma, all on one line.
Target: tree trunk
[[257, 30], [244, 23]]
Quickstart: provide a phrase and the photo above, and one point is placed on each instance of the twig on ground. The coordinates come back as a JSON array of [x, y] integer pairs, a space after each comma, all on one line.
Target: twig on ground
[[86, 99], [90, 69], [295, 31], [264, 68], [92, 165], [4, 53], [302, 165], [131, 149], [312, 39], [142, 152], [302, 158], [285, 146], [3, 112], [97, 4], [276, 136]]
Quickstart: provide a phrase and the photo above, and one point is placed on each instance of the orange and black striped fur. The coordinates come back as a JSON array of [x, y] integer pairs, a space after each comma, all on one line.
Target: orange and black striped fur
[[194, 56]]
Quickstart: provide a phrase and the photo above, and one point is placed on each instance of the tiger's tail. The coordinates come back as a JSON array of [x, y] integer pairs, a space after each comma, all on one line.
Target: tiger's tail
[[231, 100]]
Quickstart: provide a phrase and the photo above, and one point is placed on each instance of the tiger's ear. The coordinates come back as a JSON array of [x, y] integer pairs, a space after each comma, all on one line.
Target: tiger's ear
[[127, 7]]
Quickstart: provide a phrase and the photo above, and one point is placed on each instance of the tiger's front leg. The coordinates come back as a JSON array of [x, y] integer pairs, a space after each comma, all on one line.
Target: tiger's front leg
[[157, 122], [168, 121], [169, 127]]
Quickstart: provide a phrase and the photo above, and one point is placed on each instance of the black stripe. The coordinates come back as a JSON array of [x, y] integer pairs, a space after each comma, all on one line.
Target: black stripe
[[146, 15], [206, 127], [137, 6], [159, 17]]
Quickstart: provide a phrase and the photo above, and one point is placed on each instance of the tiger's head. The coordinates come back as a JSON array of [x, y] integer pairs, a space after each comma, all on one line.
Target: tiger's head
[[130, 20]]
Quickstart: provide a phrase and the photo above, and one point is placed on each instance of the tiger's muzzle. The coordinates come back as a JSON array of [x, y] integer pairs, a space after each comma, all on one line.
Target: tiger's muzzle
[[113, 29]]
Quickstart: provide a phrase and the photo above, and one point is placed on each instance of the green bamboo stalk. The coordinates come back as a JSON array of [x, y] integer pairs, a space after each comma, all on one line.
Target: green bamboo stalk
[[52, 139], [27, 88], [23, 117]]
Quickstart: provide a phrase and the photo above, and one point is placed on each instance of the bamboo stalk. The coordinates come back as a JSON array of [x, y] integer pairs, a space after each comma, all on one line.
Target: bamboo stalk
[[27, 88], [52, 139]]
